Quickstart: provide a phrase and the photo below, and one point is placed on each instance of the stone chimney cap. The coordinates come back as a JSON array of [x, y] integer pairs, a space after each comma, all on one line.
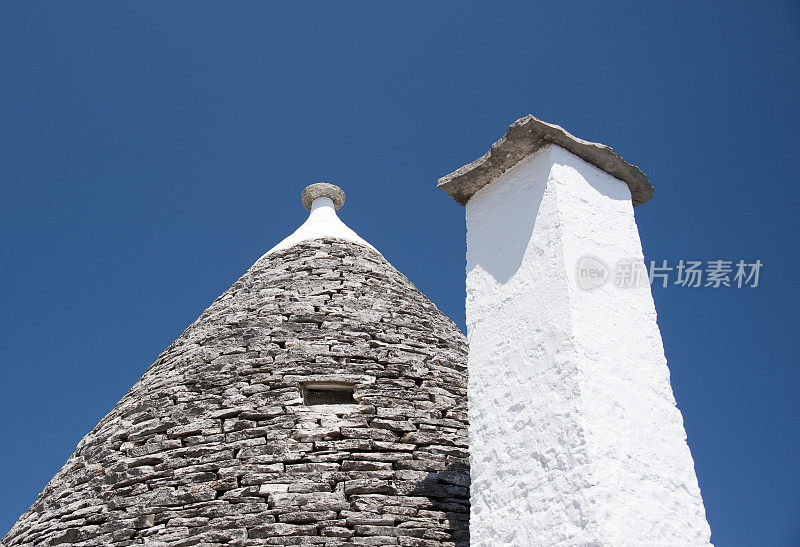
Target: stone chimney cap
[[524, 137], [322, 190]]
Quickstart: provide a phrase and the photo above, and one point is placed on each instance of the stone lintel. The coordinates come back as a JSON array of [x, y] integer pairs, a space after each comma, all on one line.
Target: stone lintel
[[528, 135]]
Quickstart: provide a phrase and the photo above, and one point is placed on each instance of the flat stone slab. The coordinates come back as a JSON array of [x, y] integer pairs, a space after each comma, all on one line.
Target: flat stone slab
[[524, 137]]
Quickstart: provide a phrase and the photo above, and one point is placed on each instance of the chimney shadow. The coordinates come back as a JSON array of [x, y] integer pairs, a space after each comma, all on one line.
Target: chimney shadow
[[448, 493], [498, 245]]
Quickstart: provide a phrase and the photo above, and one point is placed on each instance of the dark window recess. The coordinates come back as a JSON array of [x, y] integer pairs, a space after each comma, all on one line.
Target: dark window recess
[[334, 395]]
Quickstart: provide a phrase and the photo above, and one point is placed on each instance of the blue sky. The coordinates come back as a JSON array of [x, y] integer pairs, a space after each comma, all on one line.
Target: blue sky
[[152, 151]]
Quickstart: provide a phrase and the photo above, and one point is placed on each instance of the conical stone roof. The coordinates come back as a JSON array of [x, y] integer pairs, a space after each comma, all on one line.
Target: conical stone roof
[[220, 442]]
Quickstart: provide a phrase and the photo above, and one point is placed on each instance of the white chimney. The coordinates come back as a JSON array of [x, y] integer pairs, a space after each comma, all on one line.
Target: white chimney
[[574, 433]]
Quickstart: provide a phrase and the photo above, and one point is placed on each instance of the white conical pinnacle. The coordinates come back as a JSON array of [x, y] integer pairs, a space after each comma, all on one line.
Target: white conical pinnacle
[[322, 200]]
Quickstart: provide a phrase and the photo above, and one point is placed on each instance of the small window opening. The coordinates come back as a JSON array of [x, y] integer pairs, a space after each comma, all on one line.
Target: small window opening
[[328, 394]]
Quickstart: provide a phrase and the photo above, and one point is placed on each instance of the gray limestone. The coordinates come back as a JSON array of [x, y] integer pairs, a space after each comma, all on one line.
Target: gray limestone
[[322, 190], [215, 445], [524, 137]]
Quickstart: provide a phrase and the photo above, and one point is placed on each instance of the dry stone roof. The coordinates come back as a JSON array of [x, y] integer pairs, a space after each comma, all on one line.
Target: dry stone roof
[[215, 444]]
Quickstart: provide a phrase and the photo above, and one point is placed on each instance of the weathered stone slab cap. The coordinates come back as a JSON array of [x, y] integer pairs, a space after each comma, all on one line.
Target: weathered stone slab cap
[[524, 137], [322, 190]]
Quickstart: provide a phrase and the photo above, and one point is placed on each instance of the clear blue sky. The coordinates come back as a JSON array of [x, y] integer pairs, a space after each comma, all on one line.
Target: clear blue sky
[[152, 151]]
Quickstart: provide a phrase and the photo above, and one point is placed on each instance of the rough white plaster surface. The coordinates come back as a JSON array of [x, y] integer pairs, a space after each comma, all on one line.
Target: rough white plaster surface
[[574, 433], [322, 222]]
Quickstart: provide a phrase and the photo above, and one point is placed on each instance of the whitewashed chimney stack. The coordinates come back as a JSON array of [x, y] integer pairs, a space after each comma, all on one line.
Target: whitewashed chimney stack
[[575, 437]]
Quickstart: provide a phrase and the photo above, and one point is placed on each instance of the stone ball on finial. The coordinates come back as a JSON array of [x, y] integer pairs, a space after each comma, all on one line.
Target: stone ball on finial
[[322, 190]]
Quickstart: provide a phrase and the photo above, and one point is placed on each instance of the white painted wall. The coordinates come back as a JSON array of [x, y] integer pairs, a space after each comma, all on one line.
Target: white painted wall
[[574, 433]]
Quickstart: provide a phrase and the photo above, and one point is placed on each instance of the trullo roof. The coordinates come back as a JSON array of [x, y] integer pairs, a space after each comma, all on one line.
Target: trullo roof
[[221, 441]]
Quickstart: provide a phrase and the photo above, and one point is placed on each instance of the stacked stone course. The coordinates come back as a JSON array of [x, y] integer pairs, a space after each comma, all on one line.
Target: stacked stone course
[[214, 445]]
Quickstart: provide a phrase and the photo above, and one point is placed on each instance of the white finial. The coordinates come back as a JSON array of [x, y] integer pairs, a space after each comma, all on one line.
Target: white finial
[[323, 200]]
